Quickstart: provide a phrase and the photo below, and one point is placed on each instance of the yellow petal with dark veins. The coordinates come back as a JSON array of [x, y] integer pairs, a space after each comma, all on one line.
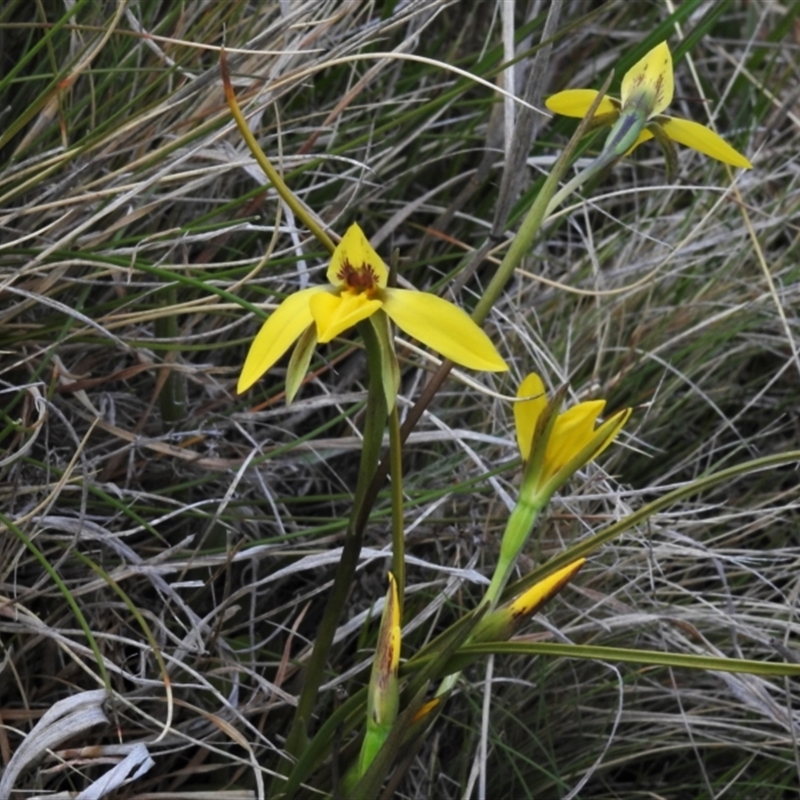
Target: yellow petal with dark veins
[[649, 81], [355, 252]]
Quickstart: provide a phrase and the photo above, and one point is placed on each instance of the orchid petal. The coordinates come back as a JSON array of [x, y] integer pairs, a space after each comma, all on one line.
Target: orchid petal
[[576, 103], [443, 327], [282, 328], [584, 450], [574, 429], [649, 81], [335, 313], [531, 600], [608, 431], [527, 412], [702, 139], [563, 445], [356, 252]]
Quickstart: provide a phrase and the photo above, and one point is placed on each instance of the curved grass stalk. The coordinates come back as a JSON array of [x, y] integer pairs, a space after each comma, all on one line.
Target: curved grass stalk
[[137, 615], [70, 600]]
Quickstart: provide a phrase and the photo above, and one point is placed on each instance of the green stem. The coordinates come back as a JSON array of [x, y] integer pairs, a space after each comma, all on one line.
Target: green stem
[[598, 165], [518, 528], [300, 210], [519, 247], [297, 739], [532, 223], [620, 140], [398, 530]]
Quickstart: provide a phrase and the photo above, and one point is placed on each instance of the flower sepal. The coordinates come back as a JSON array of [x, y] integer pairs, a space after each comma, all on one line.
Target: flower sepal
[[533, 438], [390, 369], [648, 85], [299, 362], [602, 438], [504, 622]]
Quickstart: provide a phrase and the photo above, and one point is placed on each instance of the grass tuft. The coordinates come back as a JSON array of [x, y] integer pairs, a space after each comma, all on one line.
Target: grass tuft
[[174, 543]]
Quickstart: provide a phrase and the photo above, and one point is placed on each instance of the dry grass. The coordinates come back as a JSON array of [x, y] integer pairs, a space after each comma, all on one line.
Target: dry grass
[[161, 530]]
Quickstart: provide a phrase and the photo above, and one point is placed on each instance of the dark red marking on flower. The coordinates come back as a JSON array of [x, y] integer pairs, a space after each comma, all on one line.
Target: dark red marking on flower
[[659, 89], [387, 668], [362, 278], [520, 613]]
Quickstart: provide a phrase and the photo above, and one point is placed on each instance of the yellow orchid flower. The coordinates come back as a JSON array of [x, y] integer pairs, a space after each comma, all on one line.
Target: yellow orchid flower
[[358, 289], [555, 445], [646, 91]]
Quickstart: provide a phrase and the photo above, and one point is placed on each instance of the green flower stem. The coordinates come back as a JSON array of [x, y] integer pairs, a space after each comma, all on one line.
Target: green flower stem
[[398, 530], [518, 528], [516, 252], [536, 215], [297, 739], [524, 515], [620, 140], [595, 168], [370, 783], [303, 213]]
